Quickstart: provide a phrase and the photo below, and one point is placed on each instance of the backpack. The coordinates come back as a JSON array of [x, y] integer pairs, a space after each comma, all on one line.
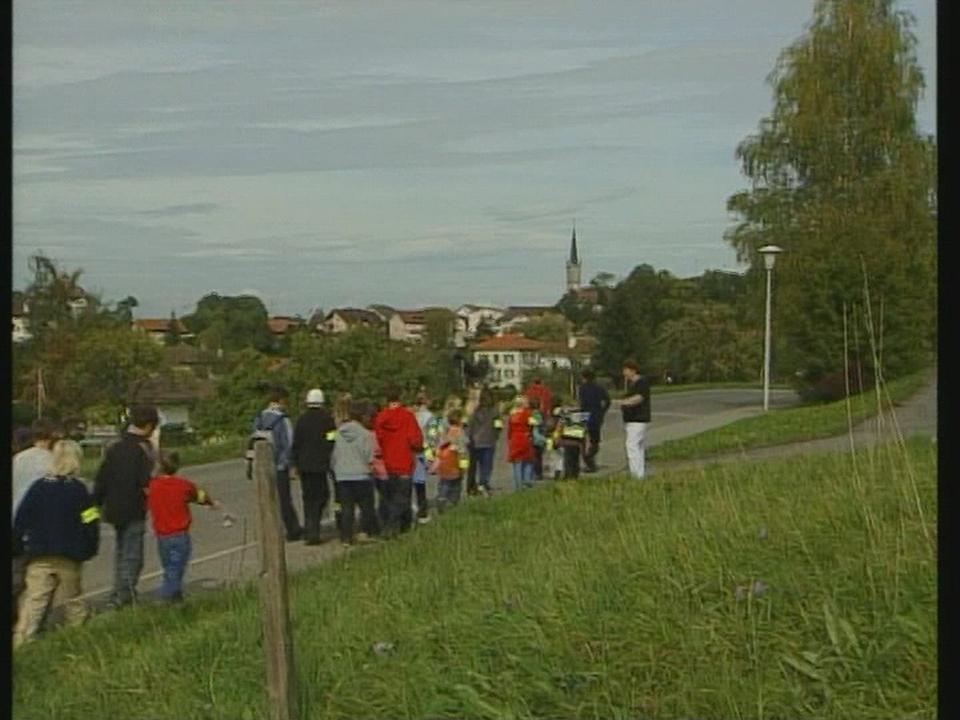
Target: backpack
[[448, 460], [259, 434]]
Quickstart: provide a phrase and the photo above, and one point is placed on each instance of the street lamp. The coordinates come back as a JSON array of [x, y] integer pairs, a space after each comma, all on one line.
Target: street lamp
[[769, 253]]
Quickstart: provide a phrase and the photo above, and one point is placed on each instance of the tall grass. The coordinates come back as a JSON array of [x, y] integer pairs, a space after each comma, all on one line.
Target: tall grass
[[601, 598]]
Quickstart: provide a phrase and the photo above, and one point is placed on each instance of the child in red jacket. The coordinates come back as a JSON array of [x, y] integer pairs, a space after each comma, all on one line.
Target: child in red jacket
[[168, 500]]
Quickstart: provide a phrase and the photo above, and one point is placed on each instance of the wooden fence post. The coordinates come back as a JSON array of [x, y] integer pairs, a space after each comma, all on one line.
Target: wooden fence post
[[274, 602]]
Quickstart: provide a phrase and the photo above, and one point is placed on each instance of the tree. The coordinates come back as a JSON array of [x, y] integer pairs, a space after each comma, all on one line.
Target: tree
[[172, 336], [547, 327], [629, 322], [842, 180], [706, 344], [230, 323]]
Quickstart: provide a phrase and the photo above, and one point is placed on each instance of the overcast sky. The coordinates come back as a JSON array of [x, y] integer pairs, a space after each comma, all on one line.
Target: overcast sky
[[410, 153]]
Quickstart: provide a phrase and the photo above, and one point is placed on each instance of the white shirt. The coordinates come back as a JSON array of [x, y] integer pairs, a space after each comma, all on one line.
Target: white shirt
[[28, 465]]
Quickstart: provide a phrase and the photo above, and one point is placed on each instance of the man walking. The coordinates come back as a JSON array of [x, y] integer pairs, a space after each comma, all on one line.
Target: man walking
[[595, 400], [119, 488], [313, 439], [400, 439], [274, 420], [636, 417]]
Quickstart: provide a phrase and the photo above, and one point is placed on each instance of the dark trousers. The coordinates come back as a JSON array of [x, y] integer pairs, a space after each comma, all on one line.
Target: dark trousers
[[290, 520], [128, 561], [590, 456], [448, 493], [316, 495], [481, 468], [381, 487], [18, 581], [538, 462], [397, 492], [422, 507], [354, 494], [571, 461]]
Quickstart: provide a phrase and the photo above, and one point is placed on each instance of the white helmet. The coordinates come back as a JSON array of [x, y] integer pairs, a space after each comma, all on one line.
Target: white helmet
[[315, 397]]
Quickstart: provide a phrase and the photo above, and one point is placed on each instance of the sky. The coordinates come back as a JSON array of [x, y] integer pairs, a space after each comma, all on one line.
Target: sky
[[411, 153]]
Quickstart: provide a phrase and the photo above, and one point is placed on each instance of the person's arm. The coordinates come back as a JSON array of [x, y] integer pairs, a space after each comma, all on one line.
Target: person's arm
[[296, 442], [22, 520], [89, 521], [604, 400], [102, 477], [416, 437]]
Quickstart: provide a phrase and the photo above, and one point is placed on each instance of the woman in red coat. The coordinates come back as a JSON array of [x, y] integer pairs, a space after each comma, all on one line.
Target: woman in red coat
[[520, 451]]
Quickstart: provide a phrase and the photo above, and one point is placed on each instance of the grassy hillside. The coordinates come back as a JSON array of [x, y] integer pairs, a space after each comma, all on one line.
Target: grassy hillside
[[602, 598]]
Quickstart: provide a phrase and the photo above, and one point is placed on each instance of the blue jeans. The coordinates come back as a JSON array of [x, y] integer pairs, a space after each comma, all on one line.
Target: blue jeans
[[128, 561], [484, 459], [448, 493], [522, 475], [174, 552]]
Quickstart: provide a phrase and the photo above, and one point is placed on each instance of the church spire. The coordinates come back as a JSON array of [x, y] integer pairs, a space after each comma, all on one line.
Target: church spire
[[573, 264]]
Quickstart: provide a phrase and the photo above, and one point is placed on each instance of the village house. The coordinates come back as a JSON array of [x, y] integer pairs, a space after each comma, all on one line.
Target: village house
[[472, 316], [21, 332], [509, 357], [158, 328], [280, 325], [342, 319]]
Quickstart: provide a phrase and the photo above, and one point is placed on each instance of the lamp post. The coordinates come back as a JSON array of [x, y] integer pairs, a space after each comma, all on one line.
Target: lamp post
[[769, 253]]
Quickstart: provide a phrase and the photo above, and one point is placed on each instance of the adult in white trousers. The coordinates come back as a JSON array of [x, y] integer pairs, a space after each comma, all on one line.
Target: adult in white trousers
[[636, 433], [636, 417]]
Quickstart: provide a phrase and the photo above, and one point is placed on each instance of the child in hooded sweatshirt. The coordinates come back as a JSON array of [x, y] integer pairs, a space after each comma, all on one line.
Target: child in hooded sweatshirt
[[352, 463], [453, 459]]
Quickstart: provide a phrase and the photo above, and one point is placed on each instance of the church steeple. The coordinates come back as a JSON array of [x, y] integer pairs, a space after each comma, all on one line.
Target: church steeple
[[573, 264]]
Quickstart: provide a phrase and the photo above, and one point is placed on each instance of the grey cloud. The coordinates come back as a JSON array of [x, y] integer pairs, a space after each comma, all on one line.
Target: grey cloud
[[178, 210]]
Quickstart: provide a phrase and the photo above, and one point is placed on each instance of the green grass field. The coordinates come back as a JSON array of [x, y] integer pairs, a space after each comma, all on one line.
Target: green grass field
[[601, 598], [777, 427]]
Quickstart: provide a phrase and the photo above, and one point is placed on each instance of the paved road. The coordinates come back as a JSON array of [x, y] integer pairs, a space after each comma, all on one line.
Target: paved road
[[229, 554]]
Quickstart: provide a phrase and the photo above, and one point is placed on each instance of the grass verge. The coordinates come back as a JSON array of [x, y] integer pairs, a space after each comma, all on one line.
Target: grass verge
[[603, 598], [796, 424]]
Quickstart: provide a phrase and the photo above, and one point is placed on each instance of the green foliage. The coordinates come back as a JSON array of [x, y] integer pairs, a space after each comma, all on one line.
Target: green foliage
[[106, 365], [230, 323], [548, 327], [361, 361], [706, 344], [844, 182], [605, 598], [630, 321]]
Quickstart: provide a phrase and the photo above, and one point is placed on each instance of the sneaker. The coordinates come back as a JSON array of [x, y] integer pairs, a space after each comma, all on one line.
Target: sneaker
[[365, 539], [424, 520]]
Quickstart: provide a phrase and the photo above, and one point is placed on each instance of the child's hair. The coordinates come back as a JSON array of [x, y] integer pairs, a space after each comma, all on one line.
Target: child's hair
[[342, 408], [169, 462], [453, 402], [66, 458], [455, 416], [518, 402]]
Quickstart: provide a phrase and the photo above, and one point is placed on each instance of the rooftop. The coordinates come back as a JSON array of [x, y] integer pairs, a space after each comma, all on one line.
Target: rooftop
[[509, 342]]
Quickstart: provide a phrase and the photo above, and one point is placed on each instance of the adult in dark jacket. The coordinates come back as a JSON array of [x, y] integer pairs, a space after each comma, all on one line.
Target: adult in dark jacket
[[595, 400], [482, 434], [56, 529], [120, 489], [274, 420], [313, 438]]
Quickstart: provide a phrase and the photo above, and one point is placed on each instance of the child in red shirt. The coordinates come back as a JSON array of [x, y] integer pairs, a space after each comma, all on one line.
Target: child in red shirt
[[168, 500]]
